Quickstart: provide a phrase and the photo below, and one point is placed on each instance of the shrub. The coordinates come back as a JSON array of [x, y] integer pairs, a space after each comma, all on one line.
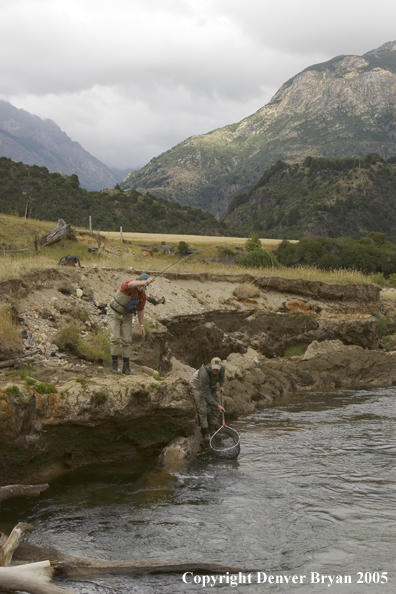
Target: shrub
[[227, 256], [246, 291], [253, 243], [258, 258], [392, 280], [378, 279], [183, 248]]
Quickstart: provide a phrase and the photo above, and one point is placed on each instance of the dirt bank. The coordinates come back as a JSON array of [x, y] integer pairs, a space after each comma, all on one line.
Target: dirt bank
[[251, 322]]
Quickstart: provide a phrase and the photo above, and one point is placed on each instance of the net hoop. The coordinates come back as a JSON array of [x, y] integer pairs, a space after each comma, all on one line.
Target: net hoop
[[229, 452]]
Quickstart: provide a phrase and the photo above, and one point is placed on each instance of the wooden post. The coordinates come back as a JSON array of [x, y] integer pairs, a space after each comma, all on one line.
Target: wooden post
[[121, 234], [27, 209], [90, 224]]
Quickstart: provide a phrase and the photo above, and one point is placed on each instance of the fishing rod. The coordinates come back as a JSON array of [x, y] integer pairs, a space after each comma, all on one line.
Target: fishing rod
[[182, 259]]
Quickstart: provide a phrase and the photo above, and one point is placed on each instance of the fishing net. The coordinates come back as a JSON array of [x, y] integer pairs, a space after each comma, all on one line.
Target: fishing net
[[225, 443]]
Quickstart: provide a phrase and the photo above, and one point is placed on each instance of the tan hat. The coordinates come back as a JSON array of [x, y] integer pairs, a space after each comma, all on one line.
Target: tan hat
[[216, 363]]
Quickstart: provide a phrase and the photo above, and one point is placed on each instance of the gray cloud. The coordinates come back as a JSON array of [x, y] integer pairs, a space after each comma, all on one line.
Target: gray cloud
[[130, 79]]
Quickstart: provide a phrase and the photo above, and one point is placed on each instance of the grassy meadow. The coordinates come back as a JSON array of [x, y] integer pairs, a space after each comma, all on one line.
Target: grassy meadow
[[18, 234]]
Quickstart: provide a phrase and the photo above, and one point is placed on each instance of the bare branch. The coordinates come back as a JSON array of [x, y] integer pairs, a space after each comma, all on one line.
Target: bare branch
[[12, 542]]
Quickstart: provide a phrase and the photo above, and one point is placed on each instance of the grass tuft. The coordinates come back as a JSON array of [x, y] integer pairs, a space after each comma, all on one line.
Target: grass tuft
[[95, 347], [10, 336]]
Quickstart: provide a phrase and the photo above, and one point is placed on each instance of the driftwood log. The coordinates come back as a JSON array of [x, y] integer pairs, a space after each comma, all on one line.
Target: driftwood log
[[12, 542], [21, 491], [27, 358], [71, 566], [34, 578], [61, 231], [34, 566]]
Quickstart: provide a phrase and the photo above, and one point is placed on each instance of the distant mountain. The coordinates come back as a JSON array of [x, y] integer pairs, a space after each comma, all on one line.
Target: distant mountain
[[343, 107], [27, 138], [52, 196], [323, 197]]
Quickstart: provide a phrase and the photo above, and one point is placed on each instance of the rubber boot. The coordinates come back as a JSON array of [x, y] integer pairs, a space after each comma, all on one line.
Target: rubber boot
[[125, 367], [114, 363], [206, 435]]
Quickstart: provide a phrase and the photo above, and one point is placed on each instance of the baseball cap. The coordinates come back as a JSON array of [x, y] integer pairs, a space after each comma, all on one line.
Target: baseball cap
[[216, 363], [144, 277]]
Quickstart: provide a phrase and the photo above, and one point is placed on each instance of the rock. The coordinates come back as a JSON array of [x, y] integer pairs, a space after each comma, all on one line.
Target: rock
[[319, 348]]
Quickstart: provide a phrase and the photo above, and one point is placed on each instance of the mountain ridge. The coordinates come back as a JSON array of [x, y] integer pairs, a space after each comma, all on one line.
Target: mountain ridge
[[343, 107], [27, 138]]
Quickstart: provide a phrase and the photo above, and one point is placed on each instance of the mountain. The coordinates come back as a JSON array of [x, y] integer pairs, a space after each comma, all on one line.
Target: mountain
[[343, 107], [27, 138], [52, 196], [323, 197]]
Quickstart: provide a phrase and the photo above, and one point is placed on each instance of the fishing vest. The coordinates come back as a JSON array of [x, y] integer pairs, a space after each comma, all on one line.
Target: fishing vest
[[121, 301], [195, 381]]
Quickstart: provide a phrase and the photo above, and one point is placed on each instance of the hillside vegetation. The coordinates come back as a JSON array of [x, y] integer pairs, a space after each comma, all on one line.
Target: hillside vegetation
[[323, 197], [53, 195]]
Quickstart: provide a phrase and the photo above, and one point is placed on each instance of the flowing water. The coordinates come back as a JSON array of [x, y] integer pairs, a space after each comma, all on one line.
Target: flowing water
[[312, 494]]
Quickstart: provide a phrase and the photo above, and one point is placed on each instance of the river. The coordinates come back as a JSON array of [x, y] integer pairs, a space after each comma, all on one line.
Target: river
[[312, 494]]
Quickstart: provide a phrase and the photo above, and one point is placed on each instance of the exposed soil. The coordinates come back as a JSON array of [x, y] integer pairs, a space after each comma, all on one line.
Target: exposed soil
[[94, 416], [202, 313]]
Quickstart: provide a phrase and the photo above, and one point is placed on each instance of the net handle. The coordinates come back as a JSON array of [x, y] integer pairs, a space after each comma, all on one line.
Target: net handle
[[222, 412]]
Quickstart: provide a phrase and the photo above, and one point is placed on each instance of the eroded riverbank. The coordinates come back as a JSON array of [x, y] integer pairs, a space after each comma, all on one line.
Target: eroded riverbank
[[94, 417]]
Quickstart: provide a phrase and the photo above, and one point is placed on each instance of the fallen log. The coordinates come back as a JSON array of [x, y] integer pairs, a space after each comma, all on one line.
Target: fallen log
[[61, 231], [71, 566], [21, 491], [34, 578], [27, 358]]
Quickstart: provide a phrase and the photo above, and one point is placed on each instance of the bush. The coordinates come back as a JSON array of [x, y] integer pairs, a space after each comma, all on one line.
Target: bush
[[227, 256], [253, 243], [258, 258], [371, 255], [183, 248]]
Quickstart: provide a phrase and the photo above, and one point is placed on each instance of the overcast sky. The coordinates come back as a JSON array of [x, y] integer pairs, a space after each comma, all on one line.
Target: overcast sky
[[129, 79]]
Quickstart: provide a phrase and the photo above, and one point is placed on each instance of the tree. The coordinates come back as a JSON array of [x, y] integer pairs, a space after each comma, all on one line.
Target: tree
[[253, 243]]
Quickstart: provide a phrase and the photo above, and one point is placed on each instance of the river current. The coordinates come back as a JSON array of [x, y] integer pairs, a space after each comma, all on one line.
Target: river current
[[309, 505]]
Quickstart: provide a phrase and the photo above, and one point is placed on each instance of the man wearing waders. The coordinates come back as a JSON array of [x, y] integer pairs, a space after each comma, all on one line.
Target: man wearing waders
[[204, 389], [128, 300]]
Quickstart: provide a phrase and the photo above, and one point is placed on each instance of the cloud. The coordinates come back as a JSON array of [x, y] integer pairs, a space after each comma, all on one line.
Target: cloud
[[132, 78]]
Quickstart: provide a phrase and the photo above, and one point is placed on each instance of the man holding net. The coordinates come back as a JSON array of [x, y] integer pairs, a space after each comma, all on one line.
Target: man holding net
[[204, 390]]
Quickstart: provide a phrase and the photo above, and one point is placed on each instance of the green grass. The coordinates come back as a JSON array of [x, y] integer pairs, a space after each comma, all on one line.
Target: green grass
[[95, 347], [99, 398], [12, 391], [295, 351], [46, 389]]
